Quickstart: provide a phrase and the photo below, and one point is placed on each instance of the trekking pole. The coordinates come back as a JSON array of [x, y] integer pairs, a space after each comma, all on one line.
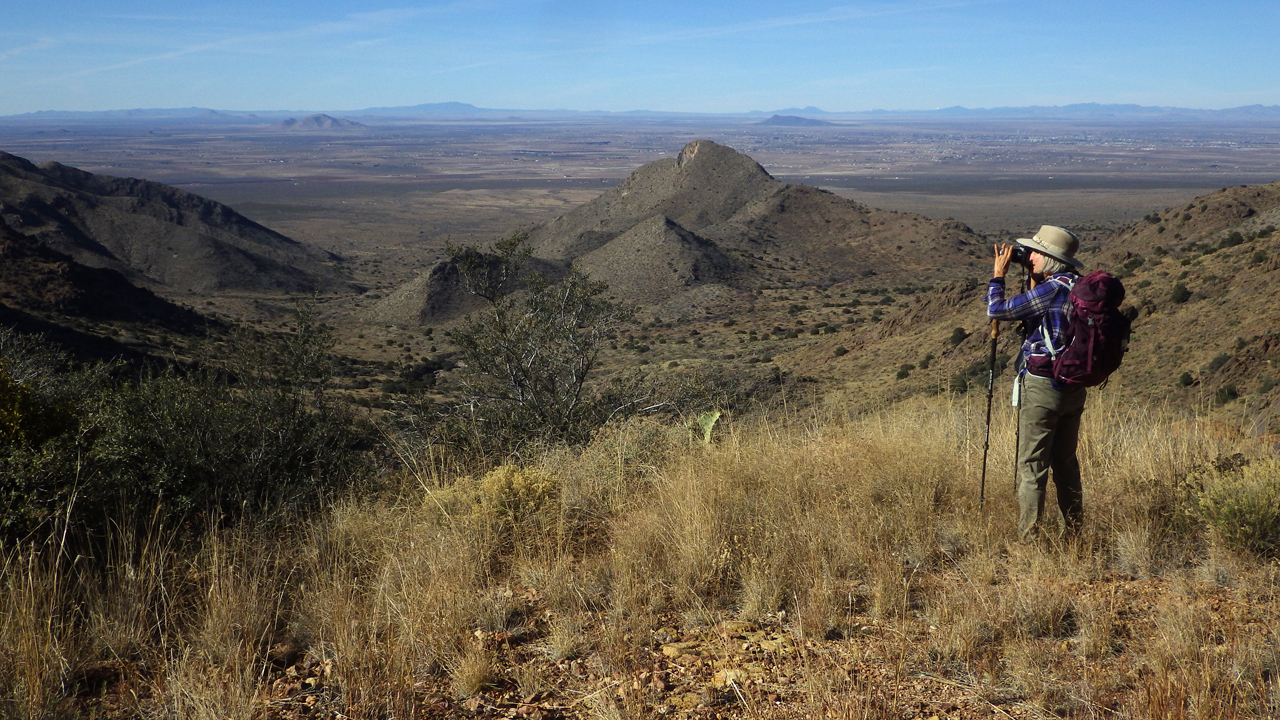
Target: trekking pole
[[1019, 369], [991, 384]]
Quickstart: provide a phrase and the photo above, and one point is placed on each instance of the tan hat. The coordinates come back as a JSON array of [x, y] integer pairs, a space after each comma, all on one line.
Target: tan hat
[[1055, 242]]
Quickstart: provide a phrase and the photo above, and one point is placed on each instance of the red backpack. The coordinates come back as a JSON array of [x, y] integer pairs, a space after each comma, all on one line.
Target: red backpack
[[1096, 336]]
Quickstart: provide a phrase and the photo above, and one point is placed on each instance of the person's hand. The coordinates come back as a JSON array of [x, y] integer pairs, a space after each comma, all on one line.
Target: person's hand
[[1004, 255]]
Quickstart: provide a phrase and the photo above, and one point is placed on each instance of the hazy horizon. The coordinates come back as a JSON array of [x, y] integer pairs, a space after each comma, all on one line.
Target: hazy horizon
[[701, 57]]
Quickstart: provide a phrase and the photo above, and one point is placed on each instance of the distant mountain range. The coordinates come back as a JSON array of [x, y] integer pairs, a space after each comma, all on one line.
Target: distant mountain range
[[464, 111]]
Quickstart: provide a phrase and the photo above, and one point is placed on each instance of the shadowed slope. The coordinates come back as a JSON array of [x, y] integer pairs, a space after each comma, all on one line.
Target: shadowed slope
[[706, 184], [656, 259], [724, 196], [154, 233]]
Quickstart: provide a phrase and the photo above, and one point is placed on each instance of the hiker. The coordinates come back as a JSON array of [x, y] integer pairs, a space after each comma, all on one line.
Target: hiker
[[1049, 415]]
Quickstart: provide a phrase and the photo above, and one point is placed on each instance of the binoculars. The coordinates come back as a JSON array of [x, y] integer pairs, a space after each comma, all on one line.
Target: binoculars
[[1021, 255]]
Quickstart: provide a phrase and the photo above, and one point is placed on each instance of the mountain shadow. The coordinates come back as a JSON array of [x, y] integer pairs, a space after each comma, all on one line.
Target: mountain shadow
[[711, 225], [155, 234], [728, 199]]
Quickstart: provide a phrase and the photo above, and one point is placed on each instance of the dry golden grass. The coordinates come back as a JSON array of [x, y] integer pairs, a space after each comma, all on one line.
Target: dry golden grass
[[859, 540]]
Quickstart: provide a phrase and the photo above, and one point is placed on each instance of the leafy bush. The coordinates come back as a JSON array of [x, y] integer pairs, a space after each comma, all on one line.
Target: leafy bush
[[1218, 361], [1185, 379], [1134, 263], [1242, 507], [513, 494], [80, 444], [1180, 294], [1226, 394], [957, 336], [1232, 239], [528, 357]]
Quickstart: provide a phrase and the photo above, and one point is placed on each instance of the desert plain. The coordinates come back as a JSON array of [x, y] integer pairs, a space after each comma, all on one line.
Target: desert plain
[[825, 557]]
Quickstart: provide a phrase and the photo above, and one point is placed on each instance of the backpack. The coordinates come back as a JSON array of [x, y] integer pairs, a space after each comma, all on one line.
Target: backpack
[[1096, 336]]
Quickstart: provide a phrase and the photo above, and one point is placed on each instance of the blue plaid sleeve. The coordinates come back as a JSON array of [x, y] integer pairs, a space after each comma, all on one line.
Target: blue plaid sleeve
[[1023, 306], [1046, 304]]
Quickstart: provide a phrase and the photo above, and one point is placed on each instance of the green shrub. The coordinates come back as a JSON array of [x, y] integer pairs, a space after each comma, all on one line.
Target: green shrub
[[1226, 394], [514, 494], [1218, 361], [1185, 379], [1232, 239], [1242, 507], [528, 360], [240, 441], [1180, 293], [957, 336]]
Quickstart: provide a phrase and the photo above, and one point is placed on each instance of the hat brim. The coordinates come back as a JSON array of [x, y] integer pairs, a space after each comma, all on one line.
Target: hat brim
[[1045, 250]]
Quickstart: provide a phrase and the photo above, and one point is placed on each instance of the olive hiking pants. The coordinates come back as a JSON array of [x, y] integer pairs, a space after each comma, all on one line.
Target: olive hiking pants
[[1048, 431]]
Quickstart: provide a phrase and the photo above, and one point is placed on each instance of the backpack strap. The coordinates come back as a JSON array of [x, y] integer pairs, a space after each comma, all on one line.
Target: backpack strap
[[1044, 328]]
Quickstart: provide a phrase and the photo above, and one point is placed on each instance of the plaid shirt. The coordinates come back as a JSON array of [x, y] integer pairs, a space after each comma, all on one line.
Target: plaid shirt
[[1045, 305]]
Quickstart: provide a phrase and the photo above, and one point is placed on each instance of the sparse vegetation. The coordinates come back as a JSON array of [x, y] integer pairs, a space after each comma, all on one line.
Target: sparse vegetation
[[1241, 504], [1226, 394], [528, 358], [257, 435], [859, 541], [821, 557]]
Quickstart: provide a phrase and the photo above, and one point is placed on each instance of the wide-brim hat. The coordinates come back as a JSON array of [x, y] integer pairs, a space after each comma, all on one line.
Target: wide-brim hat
[[1055, 242]]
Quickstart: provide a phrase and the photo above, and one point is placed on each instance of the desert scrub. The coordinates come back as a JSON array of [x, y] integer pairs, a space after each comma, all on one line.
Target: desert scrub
[[516, 495], [1241, 506], [257, 434]]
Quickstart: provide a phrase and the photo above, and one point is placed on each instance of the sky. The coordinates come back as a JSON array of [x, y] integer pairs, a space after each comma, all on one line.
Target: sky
[[663, 55]]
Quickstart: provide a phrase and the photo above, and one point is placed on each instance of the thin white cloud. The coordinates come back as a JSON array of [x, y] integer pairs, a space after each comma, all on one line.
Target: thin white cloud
[[836, 14], [354, 23], [36, 46], [369, 43], [833, 15]]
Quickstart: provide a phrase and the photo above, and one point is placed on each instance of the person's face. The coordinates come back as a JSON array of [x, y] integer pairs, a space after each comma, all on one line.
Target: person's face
[[1037, 263]]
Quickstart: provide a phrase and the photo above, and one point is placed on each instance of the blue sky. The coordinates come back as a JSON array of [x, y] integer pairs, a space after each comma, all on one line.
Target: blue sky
[[696, 55]]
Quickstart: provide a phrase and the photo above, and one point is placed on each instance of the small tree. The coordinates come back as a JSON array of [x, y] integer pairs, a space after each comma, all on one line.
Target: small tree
[[528, 357], [491, 275]]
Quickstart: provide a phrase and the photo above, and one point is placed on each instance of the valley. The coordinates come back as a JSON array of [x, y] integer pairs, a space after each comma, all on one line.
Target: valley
[[789, 526], [386, 198]]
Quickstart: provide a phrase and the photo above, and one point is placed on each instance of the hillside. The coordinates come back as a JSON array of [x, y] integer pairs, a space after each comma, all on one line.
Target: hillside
[[794, 121], [727, 198], [88, 311], [1214, 345], [710, 232], [320, 121], [155, 234]]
